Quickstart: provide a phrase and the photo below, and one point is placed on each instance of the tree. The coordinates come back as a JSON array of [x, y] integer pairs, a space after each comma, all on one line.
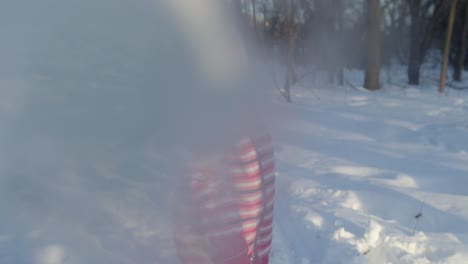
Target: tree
[[443, 72], [291, 35], [340, 22], [423, 21], [373, 61], [254, 17], [395, 25], [457, 73]]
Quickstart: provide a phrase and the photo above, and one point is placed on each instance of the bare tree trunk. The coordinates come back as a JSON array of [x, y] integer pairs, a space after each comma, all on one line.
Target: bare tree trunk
[[372, 78], [341, 61], [457, 73], [341, 75], [414, 68], [418, 29], [291, 34], [264, 27], [292, 50], [290, 74], [443, 72], [254, 17], [414, 63], [332, 38]]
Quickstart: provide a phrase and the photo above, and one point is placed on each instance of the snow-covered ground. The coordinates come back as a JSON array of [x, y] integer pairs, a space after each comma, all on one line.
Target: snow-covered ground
[[363, 177], [87, 114], [372, 177]]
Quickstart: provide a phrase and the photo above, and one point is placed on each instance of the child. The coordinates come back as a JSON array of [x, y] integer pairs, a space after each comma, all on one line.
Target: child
[[226, 211], [224, 205]]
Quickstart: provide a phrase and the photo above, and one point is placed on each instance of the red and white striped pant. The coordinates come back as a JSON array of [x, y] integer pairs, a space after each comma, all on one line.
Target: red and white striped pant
[[227, 215]]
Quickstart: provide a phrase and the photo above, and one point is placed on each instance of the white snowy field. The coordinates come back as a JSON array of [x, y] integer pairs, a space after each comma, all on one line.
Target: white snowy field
[[363, 177], [372, 177], [93, 97]]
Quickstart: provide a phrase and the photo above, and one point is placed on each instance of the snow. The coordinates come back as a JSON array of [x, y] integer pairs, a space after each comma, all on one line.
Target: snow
[[363, 177], [372, 177]]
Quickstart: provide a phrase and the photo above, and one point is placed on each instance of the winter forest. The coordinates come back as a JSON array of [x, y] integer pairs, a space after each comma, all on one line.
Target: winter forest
[[372, 36], [233, 132]]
